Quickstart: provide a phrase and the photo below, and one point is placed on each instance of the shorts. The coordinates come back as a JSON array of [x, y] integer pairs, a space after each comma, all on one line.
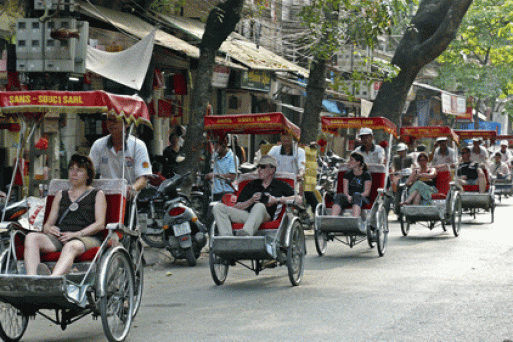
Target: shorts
[[357, 199], [88, 241], [471, 181]]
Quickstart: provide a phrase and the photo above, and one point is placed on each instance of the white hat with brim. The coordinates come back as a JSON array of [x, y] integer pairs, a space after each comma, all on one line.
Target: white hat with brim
[[401, 147], [365, 131], [268, 160], [504, 142], [441, 139]]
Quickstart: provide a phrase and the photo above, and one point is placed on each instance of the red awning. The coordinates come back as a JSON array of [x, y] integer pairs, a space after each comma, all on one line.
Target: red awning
[[15, 103], [469, 134], [407, 133], [262, 123], [333, 124]]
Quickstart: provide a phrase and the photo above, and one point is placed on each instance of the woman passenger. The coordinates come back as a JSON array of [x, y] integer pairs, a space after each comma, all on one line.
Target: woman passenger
[[357, 186], [422, 182], [76, 217]]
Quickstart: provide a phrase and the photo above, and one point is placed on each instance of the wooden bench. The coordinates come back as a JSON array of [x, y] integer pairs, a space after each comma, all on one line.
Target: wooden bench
[[115, 193]]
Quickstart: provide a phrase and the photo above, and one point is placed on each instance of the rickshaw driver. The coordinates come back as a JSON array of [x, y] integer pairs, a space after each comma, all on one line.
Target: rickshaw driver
[[286, 157], [478, 153], [372, 153], [257, 203], [108, 159], [224, 166], [505, 153], [469, 172], [443, 154]]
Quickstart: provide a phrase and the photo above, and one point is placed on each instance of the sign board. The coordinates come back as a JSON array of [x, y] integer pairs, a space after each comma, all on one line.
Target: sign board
[[454, 105], [375, 86], [256, 80], [220, 77]]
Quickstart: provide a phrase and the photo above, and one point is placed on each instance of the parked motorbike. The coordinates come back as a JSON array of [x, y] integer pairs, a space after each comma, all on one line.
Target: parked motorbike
[[167, 220]]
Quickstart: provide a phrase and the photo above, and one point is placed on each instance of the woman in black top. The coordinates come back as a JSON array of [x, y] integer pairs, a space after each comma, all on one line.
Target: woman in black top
[[76, 217], [356, 187], [172, 152]]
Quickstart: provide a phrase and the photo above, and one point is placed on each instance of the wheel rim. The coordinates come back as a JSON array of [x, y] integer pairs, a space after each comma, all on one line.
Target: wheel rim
[[139, 275], [118, 303], [405, 226], [12, 323], [321, 242], [218, 268], [456, 221], [295, 255], [382, 231]]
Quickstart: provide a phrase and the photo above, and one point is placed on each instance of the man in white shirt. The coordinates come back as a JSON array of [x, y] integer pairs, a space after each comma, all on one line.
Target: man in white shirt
[[478, 153], [499, 168], [506, 155], [109, 160], [372, 153], [289, 158], [443, 154]]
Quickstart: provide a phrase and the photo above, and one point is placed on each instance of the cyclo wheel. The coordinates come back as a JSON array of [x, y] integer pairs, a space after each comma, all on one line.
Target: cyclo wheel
[[13, 323], [296, 254], [456, 216], [321, 242], [218, 267], [136, 253], [155, 241], [381, 230], [117, 304], [405, 226]]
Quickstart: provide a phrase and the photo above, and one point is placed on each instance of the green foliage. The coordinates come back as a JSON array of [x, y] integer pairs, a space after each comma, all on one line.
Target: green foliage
[[479, 61], [167, 6]]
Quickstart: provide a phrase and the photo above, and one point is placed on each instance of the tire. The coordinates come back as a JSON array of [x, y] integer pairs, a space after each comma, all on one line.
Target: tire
[[138, 262], [296, 254], [155, 241], [456, 216], [405, 226], [370, 238], [381, 230], [13, 323], [321, 242], [117, 305], [190, 257], [218, 267]]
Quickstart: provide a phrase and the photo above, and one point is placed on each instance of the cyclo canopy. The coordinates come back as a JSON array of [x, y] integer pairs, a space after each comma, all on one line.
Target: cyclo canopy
[[261, 123], [36, 103], [410, 133], [469, 134], [333, 124]]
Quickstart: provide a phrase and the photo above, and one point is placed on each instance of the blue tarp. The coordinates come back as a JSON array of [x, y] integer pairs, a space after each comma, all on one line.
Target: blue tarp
[[485, 125], [331, 106]]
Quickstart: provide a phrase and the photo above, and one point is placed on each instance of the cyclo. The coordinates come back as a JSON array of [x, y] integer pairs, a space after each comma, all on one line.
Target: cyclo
[[471, 198], [105, 281], [373, 225], [277, 242], [446, 207], [504, 187]]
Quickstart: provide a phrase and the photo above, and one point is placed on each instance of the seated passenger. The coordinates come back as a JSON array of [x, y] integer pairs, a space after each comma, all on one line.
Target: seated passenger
[[499, 168], [470, 173], [357, 186], [76, 217], [259, 201], [421, 182]]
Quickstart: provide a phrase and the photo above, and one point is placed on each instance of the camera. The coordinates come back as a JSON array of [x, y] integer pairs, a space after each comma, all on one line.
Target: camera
[[265, 198]]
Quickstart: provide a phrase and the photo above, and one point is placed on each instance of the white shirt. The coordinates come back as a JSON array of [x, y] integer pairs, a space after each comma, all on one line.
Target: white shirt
[[287, 163], [505, 157], [502, 168], [109, 163], [439, 159], [481, 157], [376, 156]]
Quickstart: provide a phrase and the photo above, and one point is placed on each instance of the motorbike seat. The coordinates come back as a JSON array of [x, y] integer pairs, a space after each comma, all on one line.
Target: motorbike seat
[[115, 193]]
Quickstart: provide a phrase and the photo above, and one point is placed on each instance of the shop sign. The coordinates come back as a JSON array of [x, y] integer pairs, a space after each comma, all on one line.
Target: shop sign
[[256, 80], [454, 105], [220, 77]]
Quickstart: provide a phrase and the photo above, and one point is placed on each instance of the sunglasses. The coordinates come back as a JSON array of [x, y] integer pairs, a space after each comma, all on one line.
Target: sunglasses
[[264, 166]]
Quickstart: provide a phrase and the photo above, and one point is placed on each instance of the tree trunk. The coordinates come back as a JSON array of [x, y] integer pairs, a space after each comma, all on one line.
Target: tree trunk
[[221, 21], [434, 26], [313, 102]]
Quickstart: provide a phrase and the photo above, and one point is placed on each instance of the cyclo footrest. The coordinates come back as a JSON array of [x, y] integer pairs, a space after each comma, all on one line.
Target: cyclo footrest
[[242, 247]]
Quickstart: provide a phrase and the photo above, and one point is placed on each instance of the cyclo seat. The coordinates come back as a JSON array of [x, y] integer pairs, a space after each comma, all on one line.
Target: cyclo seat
[[115, 193], [231, 199], [442, 183], [475, 188]]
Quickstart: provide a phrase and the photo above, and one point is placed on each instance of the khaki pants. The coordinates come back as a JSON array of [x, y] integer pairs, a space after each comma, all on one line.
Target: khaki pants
[[225, 215]]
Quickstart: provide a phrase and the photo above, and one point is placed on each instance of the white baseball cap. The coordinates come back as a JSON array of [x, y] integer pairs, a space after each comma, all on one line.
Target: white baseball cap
[[441, 139], [365, 131], [401, 147], [504, 142]]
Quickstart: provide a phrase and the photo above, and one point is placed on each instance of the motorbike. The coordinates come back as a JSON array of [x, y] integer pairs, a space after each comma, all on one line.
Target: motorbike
[[13, 212], [167, 220]]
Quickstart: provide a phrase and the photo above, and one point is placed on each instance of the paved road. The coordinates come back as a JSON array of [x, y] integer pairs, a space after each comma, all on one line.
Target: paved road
[[430, 286]]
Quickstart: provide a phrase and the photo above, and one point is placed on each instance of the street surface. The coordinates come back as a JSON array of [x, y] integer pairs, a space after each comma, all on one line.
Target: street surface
[[429, 286]]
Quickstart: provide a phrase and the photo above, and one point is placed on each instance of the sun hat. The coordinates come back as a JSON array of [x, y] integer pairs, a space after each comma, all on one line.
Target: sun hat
[[365, 131], [268, 160]]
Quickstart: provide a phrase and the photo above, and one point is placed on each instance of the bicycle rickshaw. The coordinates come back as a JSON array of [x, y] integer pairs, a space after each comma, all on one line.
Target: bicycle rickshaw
[[278, 242], [446, 208], [471, 199], [373, 226], [504, 187], [107, 281]]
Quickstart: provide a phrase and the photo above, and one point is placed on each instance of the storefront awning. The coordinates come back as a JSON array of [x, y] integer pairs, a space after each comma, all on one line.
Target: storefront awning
[[239, 48], [139, 28]]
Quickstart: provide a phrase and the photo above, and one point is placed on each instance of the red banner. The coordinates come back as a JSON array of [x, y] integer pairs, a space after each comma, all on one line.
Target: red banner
[[264, 123], [469, 134], [44, 101], [427, 132], [333, 124]]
